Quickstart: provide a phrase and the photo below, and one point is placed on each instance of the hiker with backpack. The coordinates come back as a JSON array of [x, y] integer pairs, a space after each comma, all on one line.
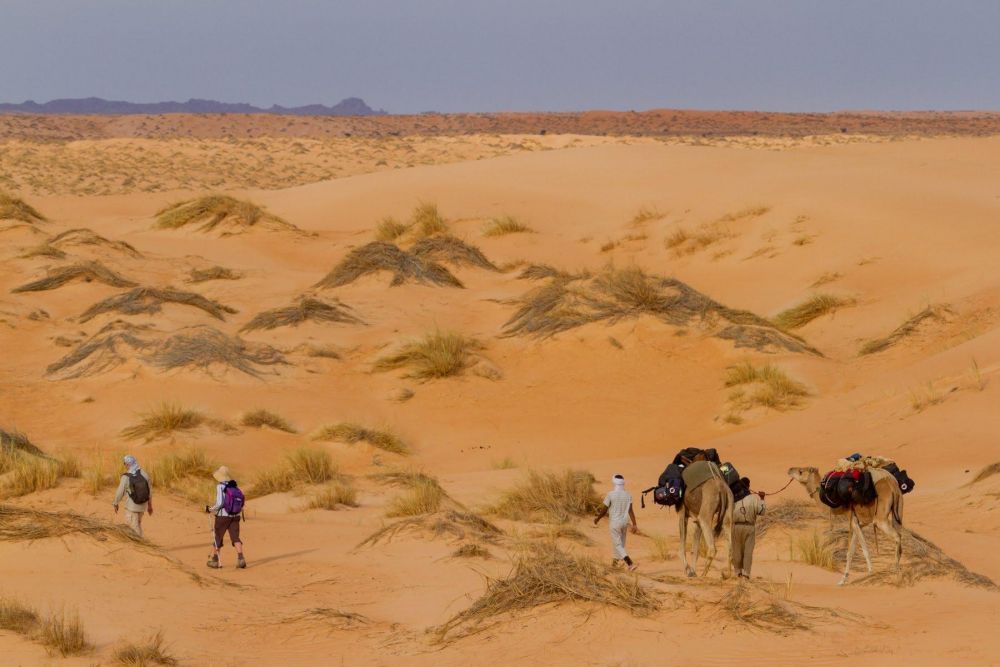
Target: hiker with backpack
[[228, 508], [745, 513], [134, 486], [618, 506]]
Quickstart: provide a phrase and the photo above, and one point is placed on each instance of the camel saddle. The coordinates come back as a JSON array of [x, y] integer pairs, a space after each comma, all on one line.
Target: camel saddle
[[698, 473]]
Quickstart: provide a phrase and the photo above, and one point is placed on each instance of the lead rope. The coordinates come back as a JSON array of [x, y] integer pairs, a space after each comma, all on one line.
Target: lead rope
[[774, 493]]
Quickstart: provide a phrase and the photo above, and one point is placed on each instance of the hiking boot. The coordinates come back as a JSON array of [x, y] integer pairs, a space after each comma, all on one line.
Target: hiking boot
[[213, 562], [241, 563], [633, 567]]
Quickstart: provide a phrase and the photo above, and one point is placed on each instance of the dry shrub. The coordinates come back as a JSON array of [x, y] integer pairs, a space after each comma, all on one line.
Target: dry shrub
[[683, 242], [203, 347], [176, 468], [828, 277], [381, 256], [100, 474], [43, 250], [506, 225], [935, 313], [544, 574], [150, 300], [25, 473], [307, 309], [543, 271], [758, 609], [213, 273], [78, 237], [472, 551], [549, 497], [301, 466], [787, 514], [334, 496], [647, 214], [561, 531], [447, 249], [23, 524], [16, 616], [85, 271], [426, 221], [163, 421], [13, 439], [986, 473], [455, 524], [749, 212], [14, 208], [660, 548], [150, 652], [924, 397], [813, 549], [506, 463], [105, 350], [261, 417], [213, 210], [63, 633], [437, 355], [389, 229], [421, 498], [807, 311], [352, 433], [568, 301], [773, 388]]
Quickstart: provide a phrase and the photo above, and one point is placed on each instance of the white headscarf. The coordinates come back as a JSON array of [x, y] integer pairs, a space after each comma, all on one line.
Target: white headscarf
[[131, 463], [618, 481]]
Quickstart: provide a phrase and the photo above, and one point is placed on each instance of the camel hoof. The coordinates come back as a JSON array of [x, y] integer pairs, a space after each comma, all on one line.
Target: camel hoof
[[689, 572], [842, 582]]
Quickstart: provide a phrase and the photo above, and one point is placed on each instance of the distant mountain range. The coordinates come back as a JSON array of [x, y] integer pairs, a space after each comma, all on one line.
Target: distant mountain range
[[351, 106]]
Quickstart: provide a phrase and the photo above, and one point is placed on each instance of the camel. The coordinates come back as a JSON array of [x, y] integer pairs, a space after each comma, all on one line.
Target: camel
[[885, 513], [711, 507]]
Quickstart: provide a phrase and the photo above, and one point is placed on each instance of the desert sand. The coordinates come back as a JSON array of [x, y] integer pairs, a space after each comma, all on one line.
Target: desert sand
[[889, 226]]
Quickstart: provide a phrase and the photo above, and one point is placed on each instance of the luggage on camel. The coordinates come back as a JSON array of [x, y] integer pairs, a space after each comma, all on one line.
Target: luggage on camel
[[905, 483], [847, 487], [732, 478], [669, 489], [689, 455], [698, 473]]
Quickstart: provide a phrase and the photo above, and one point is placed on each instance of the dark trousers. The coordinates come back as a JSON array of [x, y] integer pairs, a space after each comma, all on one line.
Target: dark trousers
[[230, 524]]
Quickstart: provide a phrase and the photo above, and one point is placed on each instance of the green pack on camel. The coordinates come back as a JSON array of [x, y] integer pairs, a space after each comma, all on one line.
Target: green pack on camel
[[698, 473]]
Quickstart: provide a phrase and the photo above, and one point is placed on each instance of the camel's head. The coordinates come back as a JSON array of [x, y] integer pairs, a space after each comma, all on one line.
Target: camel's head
[[802, 475]]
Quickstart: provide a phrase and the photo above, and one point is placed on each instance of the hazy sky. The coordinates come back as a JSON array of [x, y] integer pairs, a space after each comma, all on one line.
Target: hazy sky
[[486, 55]]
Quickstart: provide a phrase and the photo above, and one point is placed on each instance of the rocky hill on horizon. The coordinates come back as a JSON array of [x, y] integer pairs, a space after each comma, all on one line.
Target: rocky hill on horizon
[[350, 106]]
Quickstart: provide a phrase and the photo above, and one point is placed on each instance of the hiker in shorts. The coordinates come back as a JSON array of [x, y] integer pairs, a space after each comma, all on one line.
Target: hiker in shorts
[[227, 509], [134, 486], [745, 514], [618, 507]]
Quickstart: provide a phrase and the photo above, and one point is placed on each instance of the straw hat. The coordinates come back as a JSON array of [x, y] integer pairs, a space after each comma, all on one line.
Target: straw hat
[[222, 474]]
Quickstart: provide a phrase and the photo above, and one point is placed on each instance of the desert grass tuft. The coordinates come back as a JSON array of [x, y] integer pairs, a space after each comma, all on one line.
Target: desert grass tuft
[[986, 473], [758, 609], [545, 574], [22, 524], [162, 421], [212, 210], [814, 549], [455, 524], [748, 212], [14, 208], [14, 439], [152, 651], [380, 256], [647, 214], [334, 496], [787, 514], [421, 498], [150, 300], [87, 237], [352, 433], [85, 271], [176, 467], [660, 548], [213, 273], [15, 616], [448, 249], [389, 229], [772, 388], [549, 497], [302, 466], [906, 329], [260, 417], [204, 347], [505, 225], [437, 355], [27, 474], [63, 633], [307, 309], [472, 551], [426, 221], [810, 309]]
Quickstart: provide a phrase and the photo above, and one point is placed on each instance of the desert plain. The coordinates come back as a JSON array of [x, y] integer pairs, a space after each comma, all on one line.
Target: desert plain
[[398, 332]]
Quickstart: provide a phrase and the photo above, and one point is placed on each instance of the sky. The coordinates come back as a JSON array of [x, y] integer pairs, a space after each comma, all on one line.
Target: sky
[[409, 56]]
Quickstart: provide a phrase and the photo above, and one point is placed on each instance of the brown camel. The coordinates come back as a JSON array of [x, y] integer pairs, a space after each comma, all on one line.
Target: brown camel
[[885, 512], [711, 507]]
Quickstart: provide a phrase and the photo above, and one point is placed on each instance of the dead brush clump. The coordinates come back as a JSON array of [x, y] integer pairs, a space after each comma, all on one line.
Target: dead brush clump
[[302, 466], [163, 421], [755, 607], [351, 433], [213, 273], [437, 355], [504, 225], [472, 551], [935, 313], [380, 256], [549, 497], [150, 300], [544, 271], [810, 309], [260, 418], [422, 497], [443, 248], [110, 347], [85, 271], [88, 237], [986, 473], [12, 439], [543, 575], [389, 229], [334, 496], [453, 524], [426, 221], [772, 387], [813, 549], [212, 211], [787, 514], [203, 347], [14, 208], [21, 524], [152, 651], [60, 632], [684, 242], [748, 212], [307, 309], [26, 474]]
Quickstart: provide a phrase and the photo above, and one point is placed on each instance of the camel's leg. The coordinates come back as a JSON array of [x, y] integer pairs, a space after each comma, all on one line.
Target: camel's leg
[[696, 545], [864, 543], [851, 544], [682, 531], [895, 534], [710, 546]]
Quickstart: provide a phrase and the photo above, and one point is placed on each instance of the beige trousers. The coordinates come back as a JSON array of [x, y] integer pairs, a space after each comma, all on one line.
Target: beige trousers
[[618, 534], [134, 521], [744, 536]]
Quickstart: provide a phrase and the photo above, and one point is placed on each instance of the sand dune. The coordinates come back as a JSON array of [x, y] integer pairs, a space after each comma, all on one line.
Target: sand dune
[[731, 238]]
